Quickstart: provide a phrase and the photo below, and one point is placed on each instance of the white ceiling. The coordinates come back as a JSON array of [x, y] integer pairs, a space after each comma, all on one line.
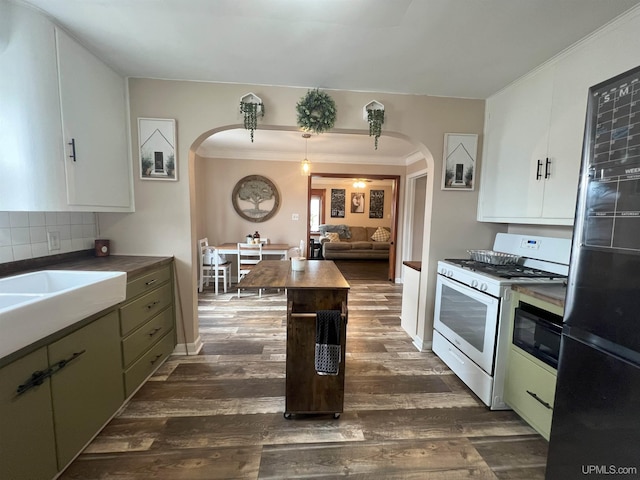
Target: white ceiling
[[454, 48]]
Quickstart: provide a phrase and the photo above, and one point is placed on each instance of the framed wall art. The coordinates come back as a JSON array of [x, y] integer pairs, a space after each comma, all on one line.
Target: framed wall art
[[357, 202], [337, 202], [459, 162], [255, 198], [376, 204], [157, 149]]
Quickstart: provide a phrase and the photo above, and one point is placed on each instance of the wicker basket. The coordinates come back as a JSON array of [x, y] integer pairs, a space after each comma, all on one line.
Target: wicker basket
[[494, 258]]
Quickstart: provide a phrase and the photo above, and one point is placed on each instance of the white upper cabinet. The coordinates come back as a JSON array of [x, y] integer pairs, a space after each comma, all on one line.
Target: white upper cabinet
[[31, 157], [94, 126], [534, 129], [53, 90], [515, 149]]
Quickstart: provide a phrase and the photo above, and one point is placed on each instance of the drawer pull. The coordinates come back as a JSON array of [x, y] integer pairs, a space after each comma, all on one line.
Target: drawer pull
[[156, 358], [151, 282], [152, 304], [540, 400], [154, 331]]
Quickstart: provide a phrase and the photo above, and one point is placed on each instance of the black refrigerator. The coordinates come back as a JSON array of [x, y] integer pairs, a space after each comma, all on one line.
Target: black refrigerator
[[595, 431]]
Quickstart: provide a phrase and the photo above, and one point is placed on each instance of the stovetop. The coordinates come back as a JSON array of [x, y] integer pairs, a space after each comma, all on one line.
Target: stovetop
[[504, 271]]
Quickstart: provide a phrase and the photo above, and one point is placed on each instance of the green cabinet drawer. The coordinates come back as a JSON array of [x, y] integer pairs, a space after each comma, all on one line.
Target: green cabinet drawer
[[529, 390], [148, 282], [141, 369], [27, 446], [144, 337], [136, 313], [88, 389]]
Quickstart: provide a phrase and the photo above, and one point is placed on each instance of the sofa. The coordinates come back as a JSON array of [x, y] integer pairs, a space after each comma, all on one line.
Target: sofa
[[354, 242]]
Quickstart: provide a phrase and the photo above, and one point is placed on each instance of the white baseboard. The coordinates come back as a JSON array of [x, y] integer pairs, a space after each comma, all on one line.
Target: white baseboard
[[421, 345], [189, 348]]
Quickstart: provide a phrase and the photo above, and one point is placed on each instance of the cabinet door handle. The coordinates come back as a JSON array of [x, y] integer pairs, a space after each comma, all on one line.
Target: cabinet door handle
[[63, 363], [547, 168], [538, 173], [73, 149], [546, 405], [37, 378], [151, 282]]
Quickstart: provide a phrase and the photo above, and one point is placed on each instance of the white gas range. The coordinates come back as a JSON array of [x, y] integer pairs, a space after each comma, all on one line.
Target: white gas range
[[473, 303]]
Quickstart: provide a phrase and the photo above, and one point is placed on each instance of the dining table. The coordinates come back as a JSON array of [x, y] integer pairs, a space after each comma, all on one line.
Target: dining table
[[228, 248]]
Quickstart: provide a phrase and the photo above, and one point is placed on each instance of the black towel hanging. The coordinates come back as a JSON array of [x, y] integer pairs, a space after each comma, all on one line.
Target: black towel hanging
[[328, 352]]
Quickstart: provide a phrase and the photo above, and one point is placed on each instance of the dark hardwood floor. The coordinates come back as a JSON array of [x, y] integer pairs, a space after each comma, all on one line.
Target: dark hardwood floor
[[219, 414]]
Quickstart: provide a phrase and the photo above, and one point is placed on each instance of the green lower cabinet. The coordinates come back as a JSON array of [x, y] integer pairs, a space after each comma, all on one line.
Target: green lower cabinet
[[27, 446], [88, 390], [529, 390]]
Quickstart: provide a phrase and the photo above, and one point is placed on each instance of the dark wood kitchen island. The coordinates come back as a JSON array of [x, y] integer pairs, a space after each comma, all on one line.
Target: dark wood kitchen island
[[320, 286]]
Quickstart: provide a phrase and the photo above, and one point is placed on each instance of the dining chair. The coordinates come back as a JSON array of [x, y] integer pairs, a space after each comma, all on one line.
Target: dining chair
[[211, 266], [248, 257]]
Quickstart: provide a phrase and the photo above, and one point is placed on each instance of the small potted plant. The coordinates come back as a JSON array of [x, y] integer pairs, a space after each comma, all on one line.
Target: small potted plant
[[146, 165], [170, 166]]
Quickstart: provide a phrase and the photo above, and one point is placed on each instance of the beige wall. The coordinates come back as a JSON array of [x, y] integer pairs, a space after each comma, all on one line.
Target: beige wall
[[169, 215]]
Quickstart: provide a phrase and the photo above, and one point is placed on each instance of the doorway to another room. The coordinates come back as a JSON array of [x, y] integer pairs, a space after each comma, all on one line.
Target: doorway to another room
[[358, 207]]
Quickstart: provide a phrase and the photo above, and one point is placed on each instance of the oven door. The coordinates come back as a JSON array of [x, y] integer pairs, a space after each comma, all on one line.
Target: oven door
[[467, 318]]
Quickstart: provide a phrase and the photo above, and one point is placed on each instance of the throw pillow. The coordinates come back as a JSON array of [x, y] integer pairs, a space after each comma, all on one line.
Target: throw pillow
[[381, 235], [333, 237]]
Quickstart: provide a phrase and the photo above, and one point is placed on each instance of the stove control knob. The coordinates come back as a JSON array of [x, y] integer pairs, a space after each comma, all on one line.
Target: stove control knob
[[450, 273], [484, 287], [474, 283]]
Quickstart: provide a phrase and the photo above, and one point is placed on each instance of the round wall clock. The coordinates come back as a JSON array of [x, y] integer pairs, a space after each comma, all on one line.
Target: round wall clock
[[255, 198]]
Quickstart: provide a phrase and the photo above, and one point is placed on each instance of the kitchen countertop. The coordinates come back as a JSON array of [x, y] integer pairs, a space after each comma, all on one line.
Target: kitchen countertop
[[413, 264], [553, 293], [132, 265]]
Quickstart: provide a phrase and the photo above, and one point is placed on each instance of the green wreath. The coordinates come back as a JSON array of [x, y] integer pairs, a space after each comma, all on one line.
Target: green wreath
[[316, 112]]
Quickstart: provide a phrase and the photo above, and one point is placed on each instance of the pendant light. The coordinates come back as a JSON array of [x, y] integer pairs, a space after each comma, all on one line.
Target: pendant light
[[305, 165]]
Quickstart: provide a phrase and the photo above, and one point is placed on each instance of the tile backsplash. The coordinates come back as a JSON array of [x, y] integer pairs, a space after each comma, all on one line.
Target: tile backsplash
[[23, 235]]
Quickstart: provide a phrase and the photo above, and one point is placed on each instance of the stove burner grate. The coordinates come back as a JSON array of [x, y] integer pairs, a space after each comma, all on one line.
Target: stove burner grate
[[504, 271]]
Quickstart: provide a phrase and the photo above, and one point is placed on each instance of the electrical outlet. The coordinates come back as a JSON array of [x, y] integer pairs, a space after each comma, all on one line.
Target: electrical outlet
[[295, 216], [53, 238]]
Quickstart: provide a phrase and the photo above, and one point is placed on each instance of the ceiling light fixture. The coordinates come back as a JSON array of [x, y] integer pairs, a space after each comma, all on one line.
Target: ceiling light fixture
[[359, 184], [305, 165]]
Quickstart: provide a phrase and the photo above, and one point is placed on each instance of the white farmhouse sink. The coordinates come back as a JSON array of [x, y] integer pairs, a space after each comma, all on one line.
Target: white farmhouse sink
[[35, 305]]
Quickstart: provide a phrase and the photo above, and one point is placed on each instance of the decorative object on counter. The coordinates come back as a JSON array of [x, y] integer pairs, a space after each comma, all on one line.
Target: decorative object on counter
[[305, 165], [249, 239], [337, 202], [157, 149], [316, 112], [373, 112], [298, 264], [258, 195], [459, 161], [376, 204], [103, 248], [251, 107], [256, 237]]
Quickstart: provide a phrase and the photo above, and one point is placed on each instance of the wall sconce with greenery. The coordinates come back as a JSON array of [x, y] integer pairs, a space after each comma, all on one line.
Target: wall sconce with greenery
[[251, 107], [373, 113]]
